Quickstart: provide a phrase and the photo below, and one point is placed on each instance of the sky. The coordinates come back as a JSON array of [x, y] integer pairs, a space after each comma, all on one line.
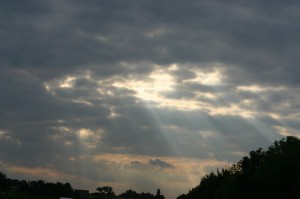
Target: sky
[[143, 94]]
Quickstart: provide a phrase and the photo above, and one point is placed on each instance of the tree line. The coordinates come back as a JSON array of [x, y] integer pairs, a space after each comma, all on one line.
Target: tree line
[[272, 173], [15, 189]]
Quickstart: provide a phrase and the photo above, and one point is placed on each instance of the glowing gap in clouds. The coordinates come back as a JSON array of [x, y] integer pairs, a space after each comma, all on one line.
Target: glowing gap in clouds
[[161, 80], [149, 89]]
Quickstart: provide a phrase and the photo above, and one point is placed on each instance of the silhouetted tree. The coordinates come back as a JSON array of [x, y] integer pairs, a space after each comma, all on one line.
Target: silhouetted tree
[[3, 182], [105, 192], [13, 188], [158, 195], [274, 173], [134, 195], [129, 194]]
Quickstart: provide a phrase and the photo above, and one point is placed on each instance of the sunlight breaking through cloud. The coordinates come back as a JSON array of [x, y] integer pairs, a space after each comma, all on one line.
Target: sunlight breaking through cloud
[[150, 88], [141, 96], [153, 87]]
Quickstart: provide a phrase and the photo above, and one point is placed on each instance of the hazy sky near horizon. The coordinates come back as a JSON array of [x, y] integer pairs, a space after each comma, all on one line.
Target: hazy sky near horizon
[[144, 94]]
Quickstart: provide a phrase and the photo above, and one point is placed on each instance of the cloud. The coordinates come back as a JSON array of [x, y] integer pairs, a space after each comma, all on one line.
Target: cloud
[[160, 163], [150, 81], [76, 35]]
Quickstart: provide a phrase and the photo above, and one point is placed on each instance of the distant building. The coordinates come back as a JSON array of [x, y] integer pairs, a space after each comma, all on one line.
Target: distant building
[[81, 194]]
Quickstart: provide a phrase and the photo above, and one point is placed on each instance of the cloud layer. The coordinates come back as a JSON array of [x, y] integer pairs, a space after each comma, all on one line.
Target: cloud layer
[[144, 94]]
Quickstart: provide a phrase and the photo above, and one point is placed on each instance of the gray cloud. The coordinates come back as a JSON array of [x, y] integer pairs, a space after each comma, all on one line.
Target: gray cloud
[[64, 34], [160, 163], [62, 64]]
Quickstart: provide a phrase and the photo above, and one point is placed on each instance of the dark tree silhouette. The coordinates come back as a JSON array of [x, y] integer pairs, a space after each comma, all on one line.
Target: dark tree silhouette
[[274, 173], [3, 182], [158, 195], [105, 192], [134, 195], [12, 188], [129, 194]]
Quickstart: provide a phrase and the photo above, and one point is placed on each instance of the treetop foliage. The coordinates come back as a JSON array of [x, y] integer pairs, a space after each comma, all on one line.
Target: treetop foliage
[[273, 173], [15, 189]]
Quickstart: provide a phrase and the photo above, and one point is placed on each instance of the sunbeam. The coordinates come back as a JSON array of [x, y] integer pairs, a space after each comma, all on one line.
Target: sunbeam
[[144, 96]]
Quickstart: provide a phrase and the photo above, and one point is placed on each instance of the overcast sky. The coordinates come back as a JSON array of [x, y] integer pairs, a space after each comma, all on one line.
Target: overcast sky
[[144, 94]]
